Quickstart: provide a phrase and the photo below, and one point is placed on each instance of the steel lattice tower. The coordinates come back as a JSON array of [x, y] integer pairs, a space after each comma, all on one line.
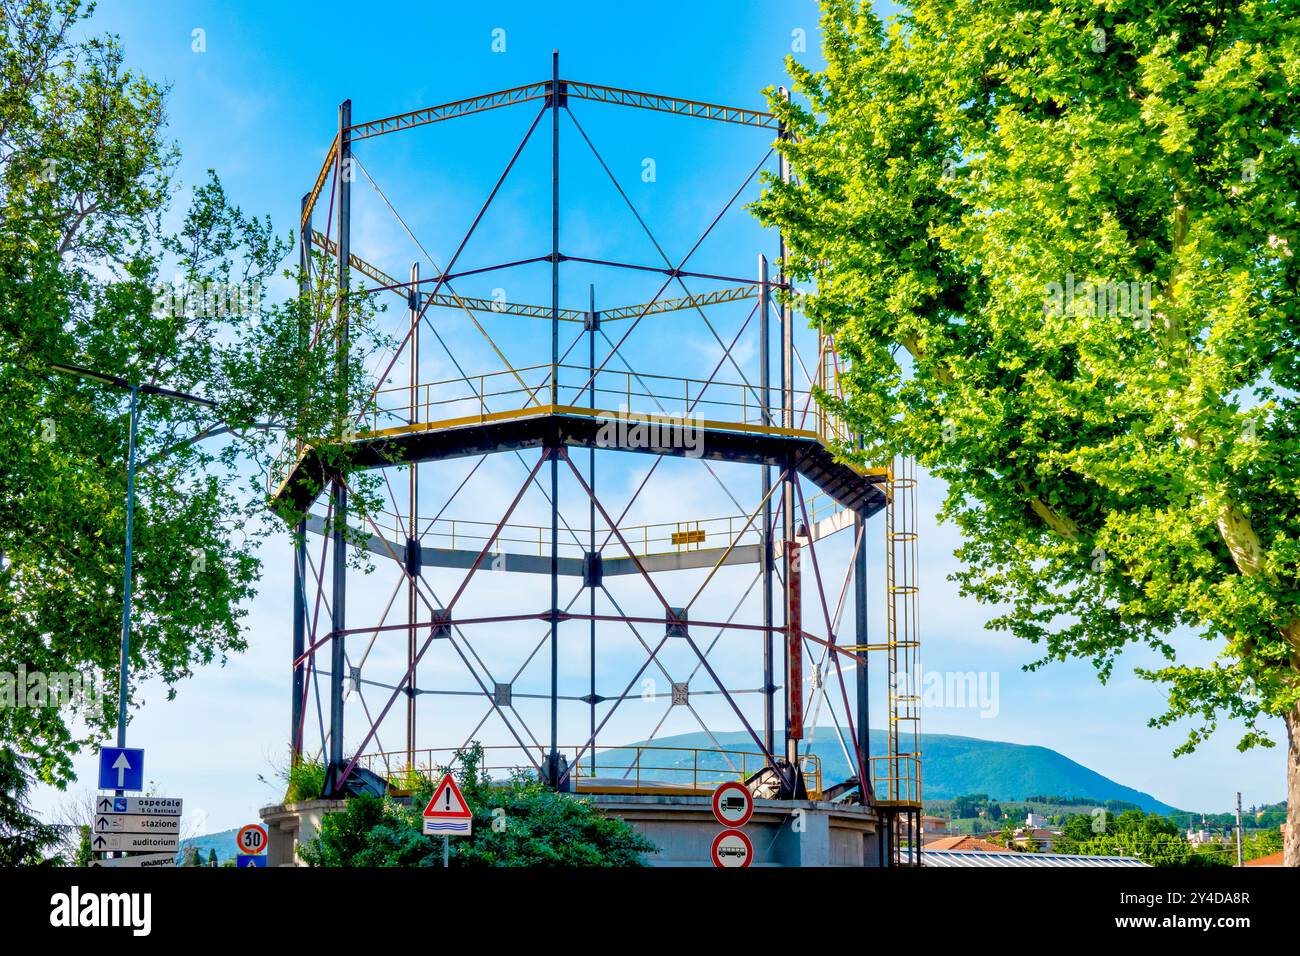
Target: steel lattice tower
[[556, 417]]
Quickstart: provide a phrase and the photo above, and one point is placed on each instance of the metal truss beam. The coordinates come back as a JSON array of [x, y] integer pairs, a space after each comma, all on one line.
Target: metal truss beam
[[657, 102], [681, 303], [475, 304], [325, 169], [670, 104], [446, 111], [495, 306]]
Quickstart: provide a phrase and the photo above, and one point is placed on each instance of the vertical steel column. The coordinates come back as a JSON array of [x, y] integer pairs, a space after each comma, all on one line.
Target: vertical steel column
[[593, 324], [787, 332], [412, 534], [860, 638], [554, 758], [300, 530], [764, 372], [794, 655], [338, 659], [299, 639], [787, 495]]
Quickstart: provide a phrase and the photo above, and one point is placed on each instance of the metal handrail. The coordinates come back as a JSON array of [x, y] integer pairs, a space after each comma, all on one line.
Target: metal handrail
[[896, 778], [637, 772], [639, 393], [679, 395], [646, 539]]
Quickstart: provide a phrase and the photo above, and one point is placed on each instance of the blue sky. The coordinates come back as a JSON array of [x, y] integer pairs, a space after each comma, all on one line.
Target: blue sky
[[259, 105]]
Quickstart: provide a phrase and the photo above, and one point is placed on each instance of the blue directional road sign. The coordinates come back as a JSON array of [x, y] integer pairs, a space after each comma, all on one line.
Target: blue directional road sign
[[121, 768], [247, 859]]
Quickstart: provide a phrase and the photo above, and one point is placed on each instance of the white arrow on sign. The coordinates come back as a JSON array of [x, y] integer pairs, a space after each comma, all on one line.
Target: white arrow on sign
[[135, 823], [121, 765], [144, 859], [141, 806], [103, 842]]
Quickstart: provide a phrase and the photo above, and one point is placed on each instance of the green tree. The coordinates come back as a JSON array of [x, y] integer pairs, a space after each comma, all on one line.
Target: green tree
[[1149, 837], [1006, 836], [969, 805], [1078, 829], [24, 839], [519, 823], [212, 857], [85, 852], [1055, 241], [90, 277], [1263, 843]]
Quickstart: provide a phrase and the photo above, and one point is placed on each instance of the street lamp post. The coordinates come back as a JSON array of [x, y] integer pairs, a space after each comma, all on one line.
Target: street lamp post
[[124, 660]]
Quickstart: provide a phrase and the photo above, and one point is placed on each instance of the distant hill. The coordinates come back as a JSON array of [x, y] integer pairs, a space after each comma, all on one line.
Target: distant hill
[[223, 843], [1005, 771], [952, 766]]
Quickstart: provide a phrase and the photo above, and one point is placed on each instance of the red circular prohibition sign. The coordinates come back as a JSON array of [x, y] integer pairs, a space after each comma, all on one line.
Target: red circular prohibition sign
[[723, 855], [726, 797]]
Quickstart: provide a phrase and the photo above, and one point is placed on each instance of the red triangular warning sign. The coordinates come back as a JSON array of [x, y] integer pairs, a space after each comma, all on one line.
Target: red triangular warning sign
[[446, 800]]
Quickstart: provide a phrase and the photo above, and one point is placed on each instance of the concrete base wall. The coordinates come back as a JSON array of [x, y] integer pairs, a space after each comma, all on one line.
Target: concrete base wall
[[783, 832], [290, 824]]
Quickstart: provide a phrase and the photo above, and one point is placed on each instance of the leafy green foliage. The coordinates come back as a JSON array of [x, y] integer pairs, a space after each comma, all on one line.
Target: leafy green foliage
[[1147, 836], [1264, 843], [89, 277], [306, 781], [24, 839], [85, 850], [538, 827], [1117, 470], [521, 823]]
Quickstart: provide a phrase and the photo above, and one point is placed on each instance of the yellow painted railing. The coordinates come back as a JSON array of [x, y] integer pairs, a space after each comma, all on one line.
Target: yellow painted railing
[[457, 401], [897, 778], [616, 390]]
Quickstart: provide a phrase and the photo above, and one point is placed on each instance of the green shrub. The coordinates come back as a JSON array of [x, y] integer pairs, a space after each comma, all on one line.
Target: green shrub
[[531, 826], [306, 779]]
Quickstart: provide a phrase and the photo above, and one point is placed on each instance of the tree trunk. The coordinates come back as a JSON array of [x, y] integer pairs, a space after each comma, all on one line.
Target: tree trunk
[[1248, 554], [1291, 851]]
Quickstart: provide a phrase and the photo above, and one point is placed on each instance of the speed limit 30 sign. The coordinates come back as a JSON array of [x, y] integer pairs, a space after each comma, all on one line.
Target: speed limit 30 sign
[[251, 840]]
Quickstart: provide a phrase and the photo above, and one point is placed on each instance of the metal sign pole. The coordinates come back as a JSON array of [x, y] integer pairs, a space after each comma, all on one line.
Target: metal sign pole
[[124, 663]]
